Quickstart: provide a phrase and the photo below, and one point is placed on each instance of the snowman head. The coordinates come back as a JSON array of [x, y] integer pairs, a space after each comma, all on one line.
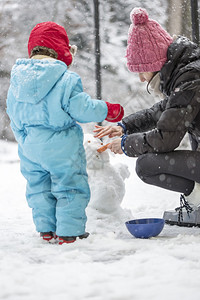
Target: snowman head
[[95, 160]]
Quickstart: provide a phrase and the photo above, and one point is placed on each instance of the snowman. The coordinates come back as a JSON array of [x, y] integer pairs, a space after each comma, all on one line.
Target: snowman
[[106, 180]]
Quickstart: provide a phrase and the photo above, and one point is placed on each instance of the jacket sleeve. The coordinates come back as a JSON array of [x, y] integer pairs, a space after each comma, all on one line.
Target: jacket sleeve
[[145, 119], [19, 134], [181, 110], [84, 109]]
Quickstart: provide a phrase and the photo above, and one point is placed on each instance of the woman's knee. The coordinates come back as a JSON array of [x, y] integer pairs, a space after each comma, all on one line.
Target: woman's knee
[[144, 166]]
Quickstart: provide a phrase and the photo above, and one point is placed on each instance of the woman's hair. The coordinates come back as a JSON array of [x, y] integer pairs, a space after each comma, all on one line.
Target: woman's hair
[[150, 82], [40, 50]]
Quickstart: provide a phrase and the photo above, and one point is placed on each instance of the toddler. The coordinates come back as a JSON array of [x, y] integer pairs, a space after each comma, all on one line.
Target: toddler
[[45, 101]]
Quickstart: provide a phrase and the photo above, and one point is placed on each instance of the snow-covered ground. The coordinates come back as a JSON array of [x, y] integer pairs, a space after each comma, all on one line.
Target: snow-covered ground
[[110, 264]]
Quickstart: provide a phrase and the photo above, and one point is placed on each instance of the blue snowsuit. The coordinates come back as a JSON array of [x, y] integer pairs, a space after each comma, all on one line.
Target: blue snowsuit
[[44, 102]]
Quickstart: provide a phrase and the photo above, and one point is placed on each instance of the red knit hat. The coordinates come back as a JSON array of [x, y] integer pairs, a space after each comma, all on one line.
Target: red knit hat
[[53, 36], [147, 43]]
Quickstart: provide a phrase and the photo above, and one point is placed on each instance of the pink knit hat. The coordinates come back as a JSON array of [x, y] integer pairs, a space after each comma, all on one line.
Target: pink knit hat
[[147, 43]]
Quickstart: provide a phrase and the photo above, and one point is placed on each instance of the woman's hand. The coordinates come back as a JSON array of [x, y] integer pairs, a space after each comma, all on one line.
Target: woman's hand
[[111, 131], [115, 146]]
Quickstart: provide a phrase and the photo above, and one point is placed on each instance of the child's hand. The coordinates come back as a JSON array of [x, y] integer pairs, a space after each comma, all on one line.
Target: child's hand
[[111, 131], [115, 146], [115, 112]]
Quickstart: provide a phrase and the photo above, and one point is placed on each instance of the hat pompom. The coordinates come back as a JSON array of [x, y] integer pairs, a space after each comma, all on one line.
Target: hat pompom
[[139, 16]]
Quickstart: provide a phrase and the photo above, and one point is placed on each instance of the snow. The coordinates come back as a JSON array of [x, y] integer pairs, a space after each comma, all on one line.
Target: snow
[[109, 265]]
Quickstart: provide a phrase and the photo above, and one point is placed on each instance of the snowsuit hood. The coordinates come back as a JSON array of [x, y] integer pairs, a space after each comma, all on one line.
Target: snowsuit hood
[[31, 80]]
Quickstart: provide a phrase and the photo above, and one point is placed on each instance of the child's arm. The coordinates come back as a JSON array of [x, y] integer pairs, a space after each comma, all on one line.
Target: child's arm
[[84, 109], [19, 134]]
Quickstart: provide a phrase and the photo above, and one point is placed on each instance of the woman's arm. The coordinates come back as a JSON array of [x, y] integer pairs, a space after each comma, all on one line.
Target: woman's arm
[[145, 119], [171, 127]]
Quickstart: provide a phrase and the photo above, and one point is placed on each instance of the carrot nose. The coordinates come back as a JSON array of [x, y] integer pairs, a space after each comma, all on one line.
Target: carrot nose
[[103, 148]]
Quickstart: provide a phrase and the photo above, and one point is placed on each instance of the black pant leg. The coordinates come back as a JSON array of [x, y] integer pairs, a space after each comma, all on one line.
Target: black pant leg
[[176, 171]]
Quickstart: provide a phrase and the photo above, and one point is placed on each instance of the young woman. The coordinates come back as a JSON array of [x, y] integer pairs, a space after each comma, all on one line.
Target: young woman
[[172, 68]]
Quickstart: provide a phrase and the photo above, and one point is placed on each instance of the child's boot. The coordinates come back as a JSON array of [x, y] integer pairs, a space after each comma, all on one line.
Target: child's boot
[[71, 239], [48, 236]]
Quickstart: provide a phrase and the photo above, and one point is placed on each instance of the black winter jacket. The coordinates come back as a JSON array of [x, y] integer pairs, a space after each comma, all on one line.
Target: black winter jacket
[[162, 127]]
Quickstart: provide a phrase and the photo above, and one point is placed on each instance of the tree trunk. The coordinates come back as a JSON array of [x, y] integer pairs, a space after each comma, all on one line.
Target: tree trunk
[[179, 20]]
